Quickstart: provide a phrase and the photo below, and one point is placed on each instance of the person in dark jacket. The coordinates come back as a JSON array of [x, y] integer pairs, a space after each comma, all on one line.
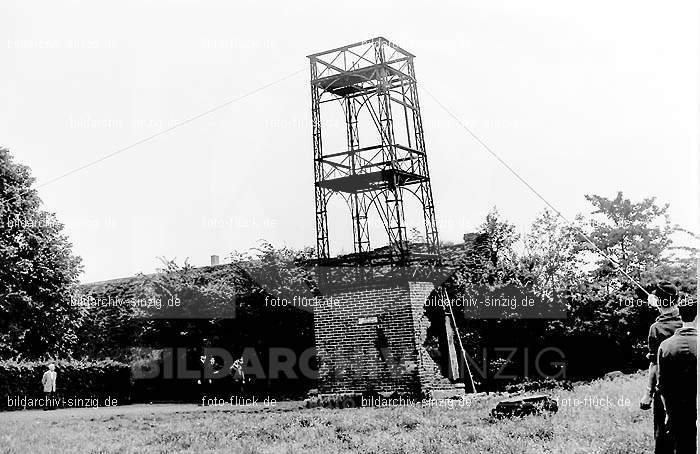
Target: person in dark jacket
[[677, 384], [665, 298]]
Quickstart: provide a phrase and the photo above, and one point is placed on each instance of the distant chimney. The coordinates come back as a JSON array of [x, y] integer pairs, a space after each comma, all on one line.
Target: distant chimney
[[214, 260]]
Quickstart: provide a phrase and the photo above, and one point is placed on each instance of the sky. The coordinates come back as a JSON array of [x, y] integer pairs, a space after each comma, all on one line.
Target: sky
[[578, 97]]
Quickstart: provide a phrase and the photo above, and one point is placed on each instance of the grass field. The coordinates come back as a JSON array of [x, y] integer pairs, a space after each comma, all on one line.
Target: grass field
[[597, 417]]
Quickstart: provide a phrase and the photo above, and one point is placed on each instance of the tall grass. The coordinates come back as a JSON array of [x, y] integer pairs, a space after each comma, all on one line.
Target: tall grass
[[578, 427]]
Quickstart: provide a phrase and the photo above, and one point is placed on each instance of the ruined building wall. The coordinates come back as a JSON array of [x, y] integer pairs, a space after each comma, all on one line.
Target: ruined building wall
[[370, 337]]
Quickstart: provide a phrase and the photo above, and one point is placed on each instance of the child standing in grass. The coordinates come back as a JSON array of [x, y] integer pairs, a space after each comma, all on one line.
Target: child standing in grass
[[665, 298]]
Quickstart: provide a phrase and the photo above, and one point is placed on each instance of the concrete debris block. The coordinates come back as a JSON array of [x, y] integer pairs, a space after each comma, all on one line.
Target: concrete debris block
[[341, 401], [480, 395], [525, 405], [613, 374], [456, 391]]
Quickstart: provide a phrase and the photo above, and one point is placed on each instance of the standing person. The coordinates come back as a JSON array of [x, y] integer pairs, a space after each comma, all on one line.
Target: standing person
[[204, 382], [665, 298], [238, 376], [677, 384], [48, 380]]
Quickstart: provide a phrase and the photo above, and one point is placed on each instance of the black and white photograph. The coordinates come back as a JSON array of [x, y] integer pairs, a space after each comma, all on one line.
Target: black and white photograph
[[354, 227]]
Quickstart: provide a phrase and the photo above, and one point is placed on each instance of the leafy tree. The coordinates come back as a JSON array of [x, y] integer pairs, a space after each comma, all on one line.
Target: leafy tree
[[552, 253], [488, 267], [680, 265], [608, 310], [497, 238], [277, 273], [184, 305], [37, 271], [634, 235], [189, 292]]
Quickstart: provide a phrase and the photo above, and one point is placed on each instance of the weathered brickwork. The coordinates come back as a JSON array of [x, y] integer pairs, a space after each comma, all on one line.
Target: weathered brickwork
[[369, 337]]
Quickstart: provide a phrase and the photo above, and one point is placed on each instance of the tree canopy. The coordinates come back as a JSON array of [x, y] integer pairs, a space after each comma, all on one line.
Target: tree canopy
[[37, 270]]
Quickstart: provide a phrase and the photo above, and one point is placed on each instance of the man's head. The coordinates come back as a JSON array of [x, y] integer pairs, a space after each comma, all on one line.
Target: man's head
[[51, 366], [665, 297], [688, 310]]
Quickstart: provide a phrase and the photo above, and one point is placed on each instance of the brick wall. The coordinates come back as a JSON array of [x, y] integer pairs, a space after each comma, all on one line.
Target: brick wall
[[370, 337], [429, 372]]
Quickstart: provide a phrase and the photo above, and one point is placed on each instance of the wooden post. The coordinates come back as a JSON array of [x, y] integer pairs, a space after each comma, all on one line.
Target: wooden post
[[452, 364]]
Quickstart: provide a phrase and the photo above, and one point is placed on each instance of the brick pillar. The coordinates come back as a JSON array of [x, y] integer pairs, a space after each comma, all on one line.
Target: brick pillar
[[369, 337]]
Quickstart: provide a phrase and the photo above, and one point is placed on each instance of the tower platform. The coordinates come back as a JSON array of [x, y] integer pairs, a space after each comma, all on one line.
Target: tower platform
[[372, 181]]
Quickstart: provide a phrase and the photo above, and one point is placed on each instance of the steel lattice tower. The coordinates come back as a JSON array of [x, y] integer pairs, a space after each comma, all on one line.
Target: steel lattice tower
[[378, 76]]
